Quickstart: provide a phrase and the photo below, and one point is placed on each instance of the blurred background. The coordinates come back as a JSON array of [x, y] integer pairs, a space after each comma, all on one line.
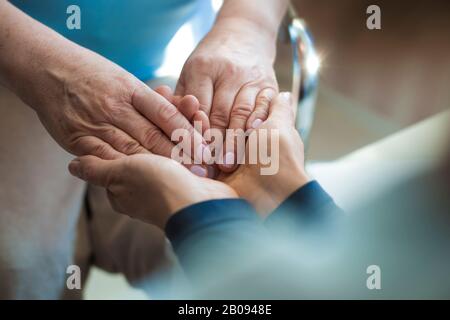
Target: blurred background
[[374, 82]]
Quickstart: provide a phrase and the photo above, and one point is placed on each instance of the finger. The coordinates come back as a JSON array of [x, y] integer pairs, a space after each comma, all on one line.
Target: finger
[[165, 91], [150, 137], [201, 117], [165, 115], [120, 140], [93, 170], [261, 111], [144, 132], [235, 137], [188, 106], [282, 109], [180, 87], [90, 145], [201, 87], [222, 104]]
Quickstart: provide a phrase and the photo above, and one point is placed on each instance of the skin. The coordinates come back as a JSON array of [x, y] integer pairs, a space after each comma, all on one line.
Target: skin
[[88, 104], [231, 70], [91, 106], [139, 182]]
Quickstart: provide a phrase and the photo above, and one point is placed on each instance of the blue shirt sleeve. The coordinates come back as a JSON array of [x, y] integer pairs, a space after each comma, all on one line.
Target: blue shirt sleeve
[[216, 233], [212, 234], [309, 209]]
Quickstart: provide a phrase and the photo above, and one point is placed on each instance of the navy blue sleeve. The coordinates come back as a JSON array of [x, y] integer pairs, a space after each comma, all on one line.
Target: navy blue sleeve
[[309, 209], [213, 233], [219, 234]]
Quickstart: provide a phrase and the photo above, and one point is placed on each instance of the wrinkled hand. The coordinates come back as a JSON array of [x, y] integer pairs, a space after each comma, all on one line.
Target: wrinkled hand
[[231, 74], [148, 187], [102, 110]]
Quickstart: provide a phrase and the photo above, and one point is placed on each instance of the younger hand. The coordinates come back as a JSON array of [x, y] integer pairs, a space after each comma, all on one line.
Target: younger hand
[[148, 187], [266, 192]]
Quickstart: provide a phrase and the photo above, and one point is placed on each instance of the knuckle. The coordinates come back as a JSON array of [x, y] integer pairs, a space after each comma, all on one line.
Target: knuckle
[[241, 111], [100, 150], [219, 119], [152, 138], [233, 70], [130, 147], [256, 72], [123, 144], [107, 131], [167, 112], [263, 100], [201, 61]]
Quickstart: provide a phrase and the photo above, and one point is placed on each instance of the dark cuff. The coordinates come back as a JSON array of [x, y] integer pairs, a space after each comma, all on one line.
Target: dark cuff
[[307, 203], [206, 214]]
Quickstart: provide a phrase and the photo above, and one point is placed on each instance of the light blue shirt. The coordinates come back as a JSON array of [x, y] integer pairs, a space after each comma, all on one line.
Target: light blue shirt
[[132, 33]]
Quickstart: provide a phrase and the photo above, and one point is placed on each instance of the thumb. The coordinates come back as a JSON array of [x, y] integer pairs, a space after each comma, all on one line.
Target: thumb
[[282, 109], [93, 170]]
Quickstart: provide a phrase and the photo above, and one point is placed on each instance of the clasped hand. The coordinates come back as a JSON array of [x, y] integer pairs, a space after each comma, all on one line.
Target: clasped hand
[[152, 188]]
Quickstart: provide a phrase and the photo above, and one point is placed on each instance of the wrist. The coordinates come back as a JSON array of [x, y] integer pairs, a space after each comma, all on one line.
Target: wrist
[[26, 56], [276, 189], [244, 25], [290, 181], [40, 80], [241, 33], [205, 190]]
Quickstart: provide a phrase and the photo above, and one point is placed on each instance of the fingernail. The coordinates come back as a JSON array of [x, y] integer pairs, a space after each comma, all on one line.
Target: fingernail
[[199, 171], [74, 167], [286, 96], [256, 123], [228, 160]]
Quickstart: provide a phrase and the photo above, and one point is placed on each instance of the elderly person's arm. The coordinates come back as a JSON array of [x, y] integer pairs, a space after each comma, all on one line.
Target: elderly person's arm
[[87, 103]]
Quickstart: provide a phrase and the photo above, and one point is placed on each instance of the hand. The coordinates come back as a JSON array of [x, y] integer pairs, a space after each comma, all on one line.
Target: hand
[[231, 74], [266, 192], [102, 110], [148, 187], [87, 103]]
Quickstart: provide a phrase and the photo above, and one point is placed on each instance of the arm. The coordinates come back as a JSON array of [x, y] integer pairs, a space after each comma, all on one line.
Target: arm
[[213, 236], [87, 103], [251, 14]]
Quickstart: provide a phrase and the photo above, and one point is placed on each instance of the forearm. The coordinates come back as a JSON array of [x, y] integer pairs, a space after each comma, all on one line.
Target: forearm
[[265, 17], [213, 236], [33, 57], [250, 24]]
